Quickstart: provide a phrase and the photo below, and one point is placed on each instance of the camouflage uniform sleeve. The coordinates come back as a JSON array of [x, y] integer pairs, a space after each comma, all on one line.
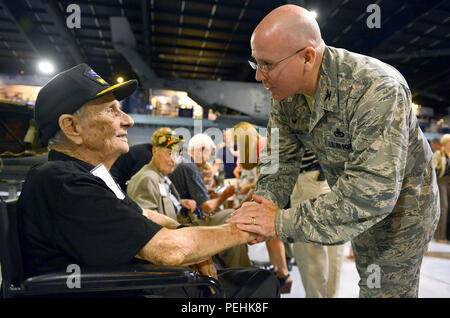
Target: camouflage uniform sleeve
[[369, 186], [279, 166]]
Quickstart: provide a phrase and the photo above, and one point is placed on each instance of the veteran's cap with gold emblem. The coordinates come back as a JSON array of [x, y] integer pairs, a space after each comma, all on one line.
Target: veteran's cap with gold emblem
[[68, 91], [171, 141]]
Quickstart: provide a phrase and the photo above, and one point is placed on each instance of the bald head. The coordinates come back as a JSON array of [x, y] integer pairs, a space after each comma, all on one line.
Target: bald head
[[292, 24], [275, 42]]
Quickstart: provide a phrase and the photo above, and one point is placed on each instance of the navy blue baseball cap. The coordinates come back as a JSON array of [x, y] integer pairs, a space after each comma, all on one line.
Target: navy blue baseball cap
[[68, 91]]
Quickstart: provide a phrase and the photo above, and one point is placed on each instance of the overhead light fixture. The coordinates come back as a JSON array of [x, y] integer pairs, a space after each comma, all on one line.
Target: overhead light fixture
[[119, 79], [313, 13], [46, 67]]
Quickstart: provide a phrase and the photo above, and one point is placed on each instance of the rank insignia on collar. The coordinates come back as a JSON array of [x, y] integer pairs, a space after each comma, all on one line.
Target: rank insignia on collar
[[339, 133], [328, 95]]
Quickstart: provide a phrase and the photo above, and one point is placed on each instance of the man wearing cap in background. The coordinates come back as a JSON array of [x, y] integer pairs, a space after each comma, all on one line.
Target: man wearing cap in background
[[71, 211], [151, 188]]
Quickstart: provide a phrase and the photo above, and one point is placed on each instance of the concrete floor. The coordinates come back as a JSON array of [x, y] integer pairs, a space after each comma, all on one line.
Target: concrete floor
[[434, 278]]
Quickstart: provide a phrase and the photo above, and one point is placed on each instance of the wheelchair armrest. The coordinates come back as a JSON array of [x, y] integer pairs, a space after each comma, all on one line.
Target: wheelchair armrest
[[115, 278]]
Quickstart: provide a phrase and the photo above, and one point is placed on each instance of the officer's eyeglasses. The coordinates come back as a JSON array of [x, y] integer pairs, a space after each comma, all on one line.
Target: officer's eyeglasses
[[267, 67]]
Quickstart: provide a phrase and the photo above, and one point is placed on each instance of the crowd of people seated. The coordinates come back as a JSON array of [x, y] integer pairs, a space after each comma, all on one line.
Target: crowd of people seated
[[174, 185]]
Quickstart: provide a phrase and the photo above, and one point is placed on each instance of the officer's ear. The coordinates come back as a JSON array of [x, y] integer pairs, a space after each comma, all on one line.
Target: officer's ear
[[70, 126], [310, 58]]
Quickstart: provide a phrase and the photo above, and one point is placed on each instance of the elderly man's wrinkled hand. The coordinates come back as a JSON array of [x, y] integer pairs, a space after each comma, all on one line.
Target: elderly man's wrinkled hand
[[256, 217], [206, 268]]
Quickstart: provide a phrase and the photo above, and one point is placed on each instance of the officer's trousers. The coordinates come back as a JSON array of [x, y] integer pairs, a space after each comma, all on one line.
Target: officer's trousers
[[389, 255]]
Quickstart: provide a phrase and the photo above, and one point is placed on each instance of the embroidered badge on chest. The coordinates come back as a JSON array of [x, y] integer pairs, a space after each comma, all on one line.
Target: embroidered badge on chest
[[339, 133], [338, 141]]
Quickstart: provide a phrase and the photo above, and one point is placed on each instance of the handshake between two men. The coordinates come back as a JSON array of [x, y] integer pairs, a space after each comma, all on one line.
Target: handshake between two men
[[258, 217]]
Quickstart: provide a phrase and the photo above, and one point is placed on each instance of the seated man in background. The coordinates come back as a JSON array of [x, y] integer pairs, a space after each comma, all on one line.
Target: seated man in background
[[189, 183], [188, 179], [131, 162], [152, 189], [71, 211]]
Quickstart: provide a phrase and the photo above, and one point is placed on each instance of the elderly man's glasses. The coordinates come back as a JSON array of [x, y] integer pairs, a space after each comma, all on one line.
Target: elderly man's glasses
[[267, 67], [174, 154]]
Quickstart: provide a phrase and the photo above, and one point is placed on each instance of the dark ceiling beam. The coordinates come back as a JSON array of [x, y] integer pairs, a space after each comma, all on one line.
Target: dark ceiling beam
[[435, 23], [191, 75], [156, 11], [16, 45], [12, 39], [188, 26], [199, 39], [327, 13], [7, 58], [146, 29], [13, 53], [224, 4], [129, 5], [102, 18], [63, 31], [191, 48], [7, 30], [199, 69], [187, 64], [419, 92], [432, 80], [174, 57], [102, 56], [300, 3], [217, 18], [415, 54], [428, 35], [10, 9], [22, 17], [160, 48], [397, 22]]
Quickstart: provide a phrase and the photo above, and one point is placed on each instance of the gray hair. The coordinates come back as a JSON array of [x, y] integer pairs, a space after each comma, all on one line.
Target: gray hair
[[445, 139], [60, 138], [201, 140]]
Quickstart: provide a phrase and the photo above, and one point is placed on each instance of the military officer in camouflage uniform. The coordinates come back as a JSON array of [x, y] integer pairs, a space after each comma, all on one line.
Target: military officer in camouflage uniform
[[354, 112]]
